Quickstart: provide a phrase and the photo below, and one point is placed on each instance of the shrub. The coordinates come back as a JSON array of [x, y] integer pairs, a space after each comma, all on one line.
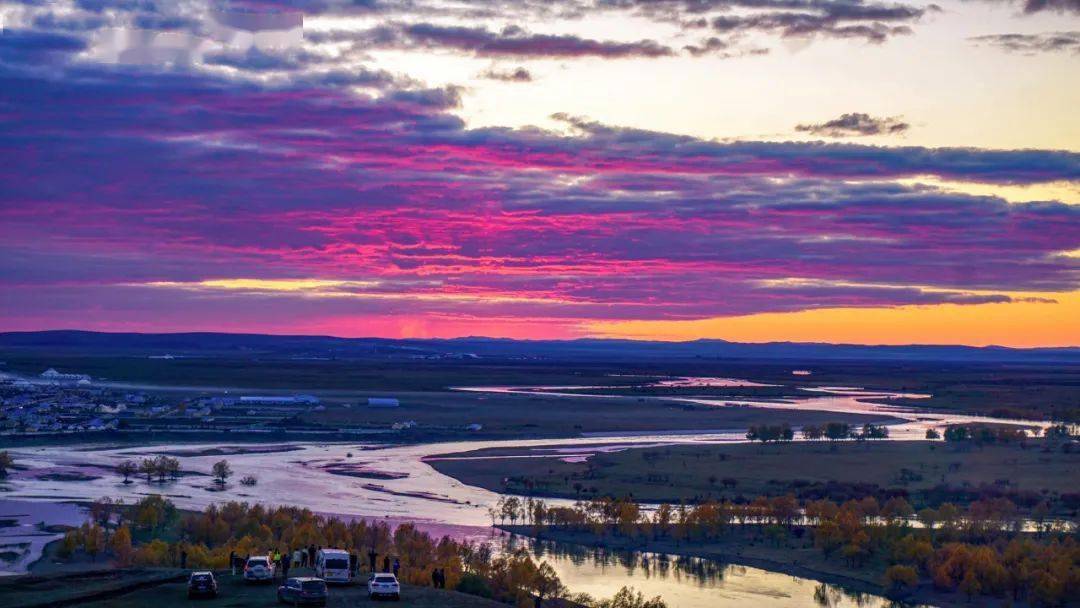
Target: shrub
[[474, 584]]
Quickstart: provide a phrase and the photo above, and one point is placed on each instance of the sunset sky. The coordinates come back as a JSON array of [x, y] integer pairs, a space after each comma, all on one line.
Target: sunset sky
[[753, 170]]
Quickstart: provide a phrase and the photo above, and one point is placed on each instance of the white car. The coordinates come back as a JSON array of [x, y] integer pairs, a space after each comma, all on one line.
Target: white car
[[259, 569], [383, 585], [332, 565]]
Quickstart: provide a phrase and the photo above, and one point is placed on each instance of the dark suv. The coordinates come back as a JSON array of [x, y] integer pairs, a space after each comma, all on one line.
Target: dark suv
[[303, 590], [201, 584]]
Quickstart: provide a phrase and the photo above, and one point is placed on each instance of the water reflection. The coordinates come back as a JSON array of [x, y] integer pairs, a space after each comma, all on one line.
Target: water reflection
[[686, 582]]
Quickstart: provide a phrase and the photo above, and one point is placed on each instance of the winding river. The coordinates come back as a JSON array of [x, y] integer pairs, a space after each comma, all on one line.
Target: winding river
[[392, 482]]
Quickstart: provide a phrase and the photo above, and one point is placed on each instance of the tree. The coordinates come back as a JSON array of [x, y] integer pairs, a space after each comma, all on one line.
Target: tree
[[627, 597], [812, 432], [546, 584], [835, 431], [172, 467], [511, 509], [127, 469], [954, 434], [249, 480], [148, 467], [661, 518], [970, 584], [6, 462], [932, 434], [94, 541], [120, 544], [101, 510], [875, 431], [161, 467], [222, 471], [153, 512], [900, 580], [786, 433], [928, 518], [69, 544], [1057, 431], [897, 509]]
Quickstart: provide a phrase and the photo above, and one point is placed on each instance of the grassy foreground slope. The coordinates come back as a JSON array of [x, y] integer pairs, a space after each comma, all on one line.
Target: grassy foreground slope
[[166, 588]]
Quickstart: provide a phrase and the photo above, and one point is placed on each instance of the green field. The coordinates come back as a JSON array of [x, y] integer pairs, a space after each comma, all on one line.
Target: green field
[[807, 470]]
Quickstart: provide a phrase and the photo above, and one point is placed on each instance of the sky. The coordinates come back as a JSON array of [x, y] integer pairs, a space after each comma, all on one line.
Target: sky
[[855, 171]]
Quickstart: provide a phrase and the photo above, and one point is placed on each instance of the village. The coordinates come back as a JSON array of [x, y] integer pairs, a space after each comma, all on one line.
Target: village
[[60, 403]]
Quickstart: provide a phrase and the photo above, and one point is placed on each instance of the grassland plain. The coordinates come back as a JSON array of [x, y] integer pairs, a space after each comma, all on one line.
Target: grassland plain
[[546, 416], [927, 472], [443, 416], [1033, 390]]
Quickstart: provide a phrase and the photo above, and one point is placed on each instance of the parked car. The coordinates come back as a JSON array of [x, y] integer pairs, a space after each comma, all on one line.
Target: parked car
[[259, 569], [303, 590], [383, 585], [332, 565], [201, 584]]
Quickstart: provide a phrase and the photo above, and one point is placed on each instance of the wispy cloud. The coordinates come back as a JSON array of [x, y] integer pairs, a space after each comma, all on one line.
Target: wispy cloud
[[1031, 44], [515, 75], [856, 124]]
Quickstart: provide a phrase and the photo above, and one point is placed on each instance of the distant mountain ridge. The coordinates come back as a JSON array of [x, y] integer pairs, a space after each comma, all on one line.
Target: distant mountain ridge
[[580, 349]]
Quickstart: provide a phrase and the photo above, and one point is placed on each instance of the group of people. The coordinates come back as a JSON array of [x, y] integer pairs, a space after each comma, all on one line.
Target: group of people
[[438, 578], [305, 558]]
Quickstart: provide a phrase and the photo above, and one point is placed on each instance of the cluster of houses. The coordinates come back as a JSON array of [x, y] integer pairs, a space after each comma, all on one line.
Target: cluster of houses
[[58, 402]]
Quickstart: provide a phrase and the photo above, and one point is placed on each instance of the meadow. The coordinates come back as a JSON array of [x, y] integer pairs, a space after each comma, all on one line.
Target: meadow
[[927, 473]]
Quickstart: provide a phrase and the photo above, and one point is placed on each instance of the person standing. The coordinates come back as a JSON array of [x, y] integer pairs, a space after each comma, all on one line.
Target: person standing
[[183, 559], [232, 562], [397, 566], [353, 559], [435, 578], [286, 561], [386, 563], [311, 556], [371, 555]]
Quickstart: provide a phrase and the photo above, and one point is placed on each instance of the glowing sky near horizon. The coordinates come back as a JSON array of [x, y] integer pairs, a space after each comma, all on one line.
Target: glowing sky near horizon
[[752, 170]]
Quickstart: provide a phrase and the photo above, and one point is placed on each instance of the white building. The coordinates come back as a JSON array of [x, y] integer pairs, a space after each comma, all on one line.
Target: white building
[[279, 400], [54, 377]]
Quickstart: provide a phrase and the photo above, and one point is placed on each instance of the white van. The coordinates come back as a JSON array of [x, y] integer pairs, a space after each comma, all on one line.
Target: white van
[[332, 565]]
